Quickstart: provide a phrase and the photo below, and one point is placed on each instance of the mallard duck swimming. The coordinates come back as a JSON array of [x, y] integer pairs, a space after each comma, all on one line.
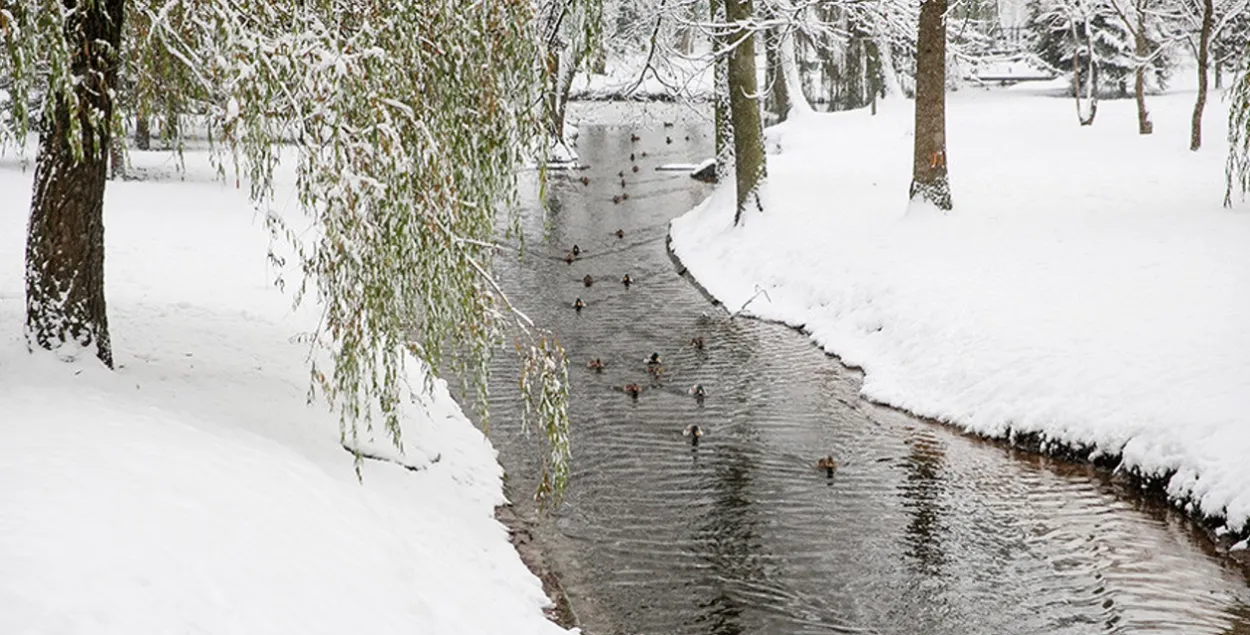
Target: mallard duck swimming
[[697, 342], [616, 200], [828, 464], [568, 258], [654, 360], [624, 196], [633, 390], [694, 432], [697, 391], [622, 181], [588, 280], [576, 251], [631, 156], [579, 305], [668, 139], [627, 280], [620, 233], [635, 168], [635, 138], [595, 364], [585, 180]]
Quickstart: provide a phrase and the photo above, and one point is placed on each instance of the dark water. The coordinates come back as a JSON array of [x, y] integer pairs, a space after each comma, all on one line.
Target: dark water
[[921, 530]]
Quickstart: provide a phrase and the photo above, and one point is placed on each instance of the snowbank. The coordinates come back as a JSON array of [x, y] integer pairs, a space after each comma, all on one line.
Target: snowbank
[[1088, 289], [194, 489]]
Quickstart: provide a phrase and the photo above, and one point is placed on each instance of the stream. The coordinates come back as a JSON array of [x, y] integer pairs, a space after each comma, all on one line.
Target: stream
[[921, 530]]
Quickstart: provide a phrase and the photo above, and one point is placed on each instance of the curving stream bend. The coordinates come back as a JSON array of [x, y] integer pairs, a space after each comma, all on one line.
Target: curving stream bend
[[921, 530]]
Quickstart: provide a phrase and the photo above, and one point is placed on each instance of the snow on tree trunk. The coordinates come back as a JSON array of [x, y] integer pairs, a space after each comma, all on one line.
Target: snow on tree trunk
[[1204, 41], [720, 92], [929, 179], [748, 132], [790, 73], [774, 75], [65, 237]]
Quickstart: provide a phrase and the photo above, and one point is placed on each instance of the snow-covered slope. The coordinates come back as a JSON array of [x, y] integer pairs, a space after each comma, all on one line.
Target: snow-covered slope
[[194, 489], [1088, 287]]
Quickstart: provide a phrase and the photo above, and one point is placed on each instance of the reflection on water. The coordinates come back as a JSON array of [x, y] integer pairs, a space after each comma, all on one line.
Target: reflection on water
[[920, 531]]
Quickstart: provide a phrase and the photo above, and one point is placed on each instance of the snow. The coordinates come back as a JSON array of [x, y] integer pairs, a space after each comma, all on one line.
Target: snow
[[1088, 288], [194, 489]]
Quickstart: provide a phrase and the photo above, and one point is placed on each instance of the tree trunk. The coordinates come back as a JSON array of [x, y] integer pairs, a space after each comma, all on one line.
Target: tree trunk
[[744, 107], [65, 238], [774, 75], [720, 92], [143, 130], [1091, 78], [1219, 76], [929, 180], [1139, 83], [1204, 41]]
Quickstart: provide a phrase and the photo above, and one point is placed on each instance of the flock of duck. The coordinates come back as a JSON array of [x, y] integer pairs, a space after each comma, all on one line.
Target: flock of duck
[[654, 363]]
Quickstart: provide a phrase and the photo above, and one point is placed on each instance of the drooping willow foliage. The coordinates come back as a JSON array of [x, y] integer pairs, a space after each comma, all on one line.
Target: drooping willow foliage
[[407, 122], [1237, 168]]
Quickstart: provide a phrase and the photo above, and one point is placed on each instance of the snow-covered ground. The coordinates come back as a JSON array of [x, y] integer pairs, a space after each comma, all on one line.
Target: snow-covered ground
[[194, 490], [1088, 287]]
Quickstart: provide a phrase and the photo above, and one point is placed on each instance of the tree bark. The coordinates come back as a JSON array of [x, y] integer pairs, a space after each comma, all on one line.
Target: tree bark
[[65, 238], [744, 107], [720, 92], [1141, 49], [143, 130], [1204, 43], [929, 180], [774, 75]]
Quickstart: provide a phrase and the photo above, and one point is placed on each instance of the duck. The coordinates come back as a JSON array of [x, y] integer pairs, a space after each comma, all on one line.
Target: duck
[[620, 233], [828, 464], [576, 251], [694, 432], [635, 138], [631, 156], [668, 140], [698, 391], [633, 390], [627, 281], [622, 181], [654, 360], [595, 364], [585, 180], [668, 124], [635, 168], [579, 305], [616, 200], [588, 280], [697, 342], [568, 258], [621, 174], [624, 196]]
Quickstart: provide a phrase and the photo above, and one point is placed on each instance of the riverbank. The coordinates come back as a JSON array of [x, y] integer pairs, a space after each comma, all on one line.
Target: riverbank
[[1085, 297], [194, 488]]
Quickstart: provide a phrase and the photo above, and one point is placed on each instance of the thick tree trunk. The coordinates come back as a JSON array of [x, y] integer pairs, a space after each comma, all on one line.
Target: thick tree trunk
[[744, 107], [1142, 49], [929, 181], [1204, 42], [65, 239], [720, 92], [774, 75]]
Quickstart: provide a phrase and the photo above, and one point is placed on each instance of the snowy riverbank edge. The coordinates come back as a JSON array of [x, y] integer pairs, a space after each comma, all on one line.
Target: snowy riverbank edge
[[195, 488], [994, 318]]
